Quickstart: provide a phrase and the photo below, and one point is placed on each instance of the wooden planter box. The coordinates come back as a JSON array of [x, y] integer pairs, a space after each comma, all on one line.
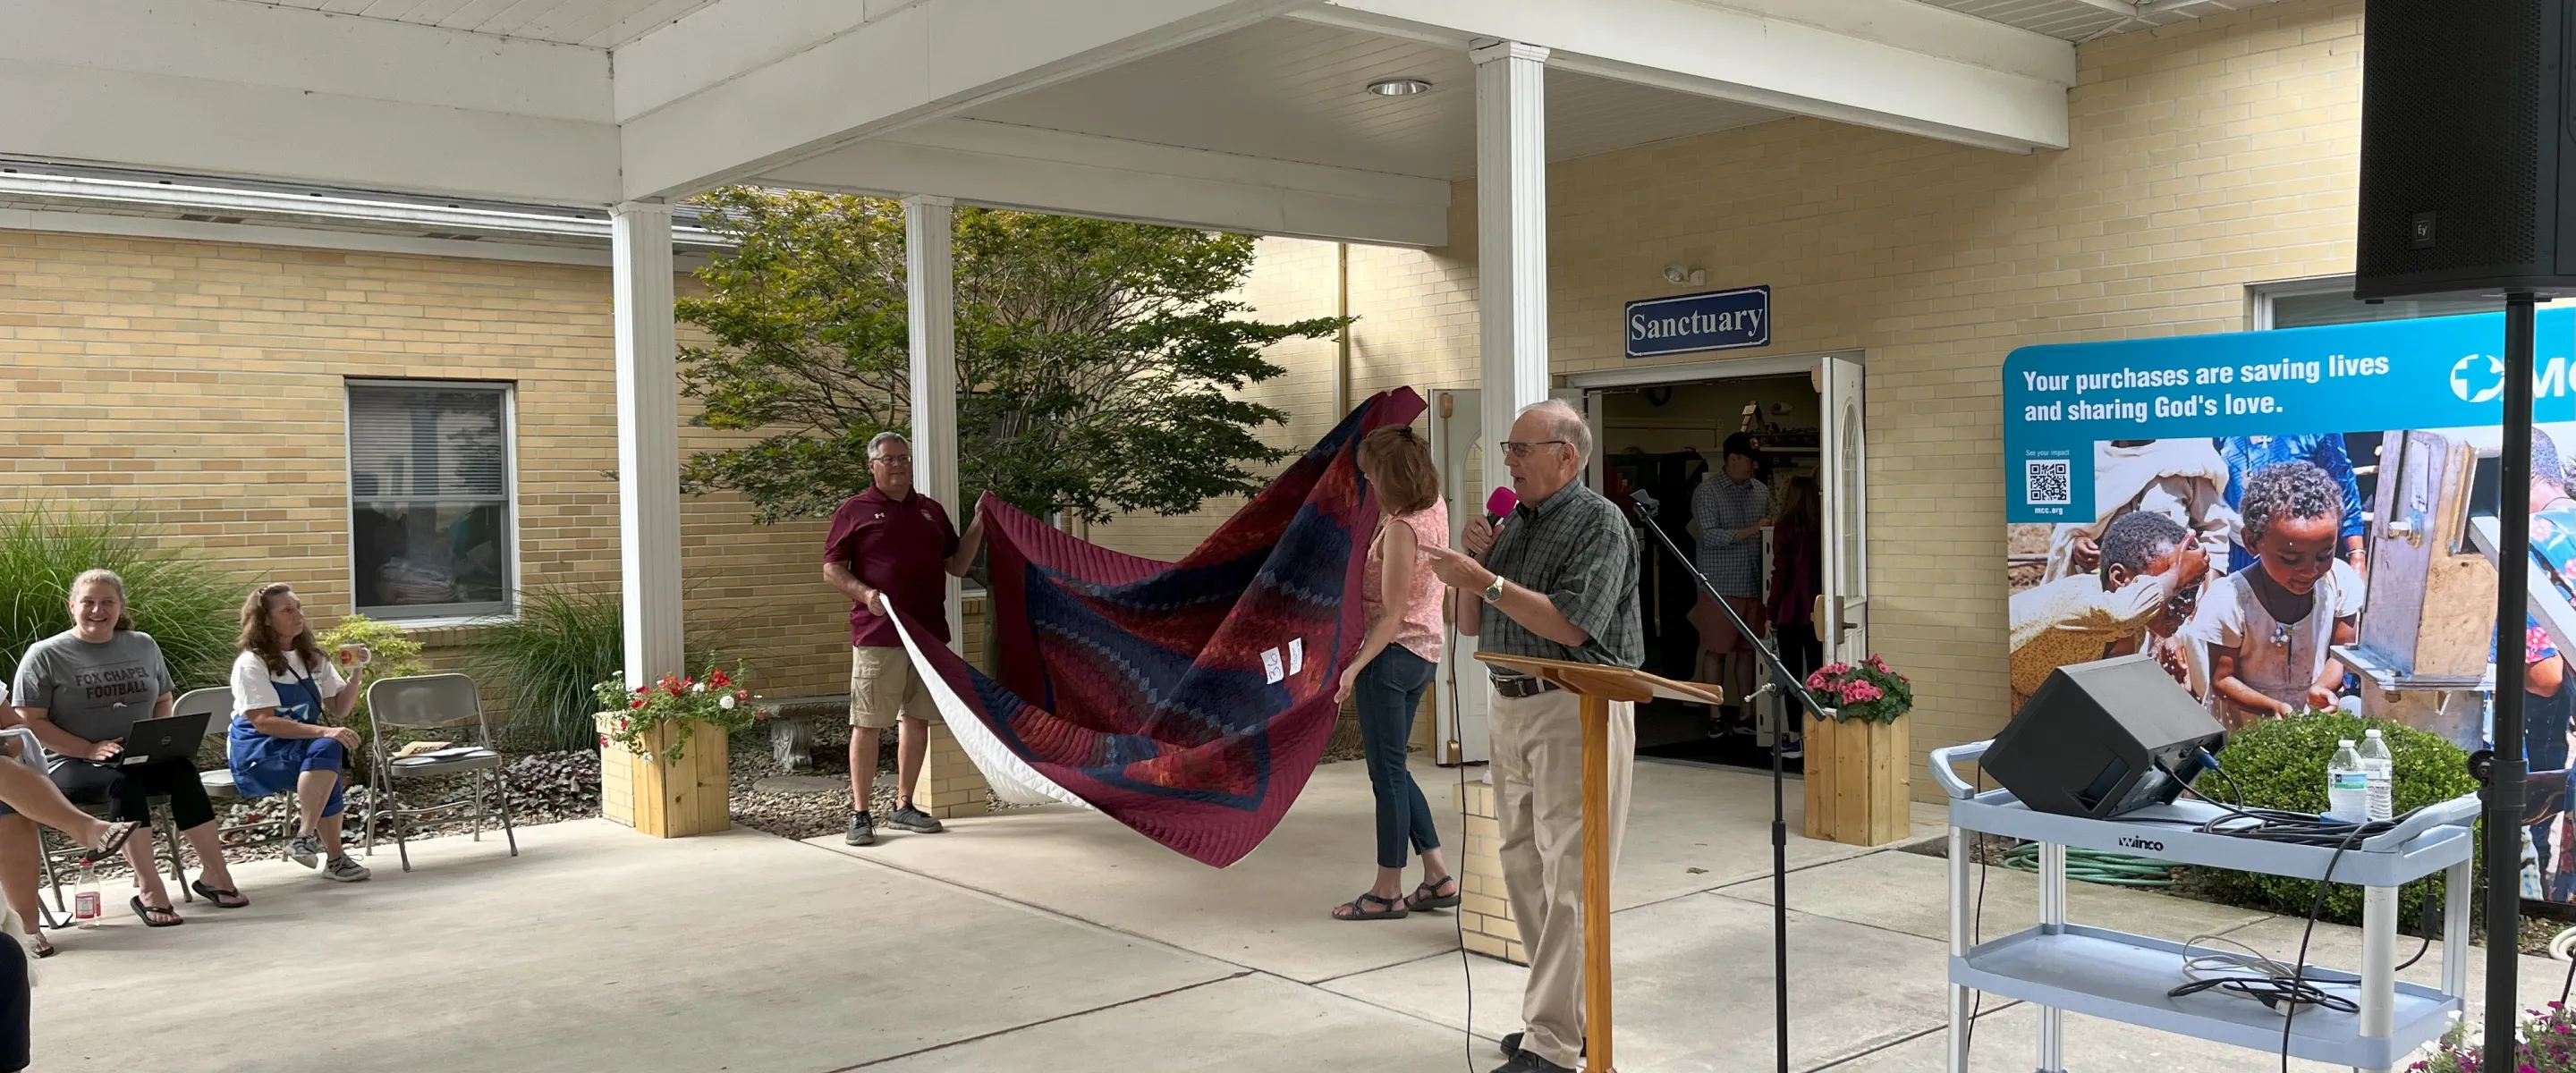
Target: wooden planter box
[[1858, 784], [662, 799]]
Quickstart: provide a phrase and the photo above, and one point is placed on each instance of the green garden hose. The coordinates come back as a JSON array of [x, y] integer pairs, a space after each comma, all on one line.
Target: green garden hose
[[2095, 866]]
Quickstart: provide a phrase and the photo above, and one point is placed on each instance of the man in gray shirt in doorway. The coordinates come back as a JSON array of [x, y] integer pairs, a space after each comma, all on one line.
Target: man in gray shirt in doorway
[[1558, 581], [1730, 510]]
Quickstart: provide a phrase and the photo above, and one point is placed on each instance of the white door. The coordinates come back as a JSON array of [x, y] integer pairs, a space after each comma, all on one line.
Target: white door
[[1845, 622], [1459, 733]]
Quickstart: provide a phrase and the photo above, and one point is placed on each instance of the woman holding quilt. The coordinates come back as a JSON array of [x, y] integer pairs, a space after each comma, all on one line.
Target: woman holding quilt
[[1401, 603]]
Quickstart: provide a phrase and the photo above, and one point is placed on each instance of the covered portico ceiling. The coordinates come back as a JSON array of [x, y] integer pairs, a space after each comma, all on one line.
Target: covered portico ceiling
[[1247, 115]]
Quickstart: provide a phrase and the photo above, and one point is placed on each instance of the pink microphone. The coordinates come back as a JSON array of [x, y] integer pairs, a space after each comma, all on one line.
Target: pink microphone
[[1499, 504]]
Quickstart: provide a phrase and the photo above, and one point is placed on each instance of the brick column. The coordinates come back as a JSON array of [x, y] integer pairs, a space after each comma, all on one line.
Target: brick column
[[951, 785], [1484, 911]]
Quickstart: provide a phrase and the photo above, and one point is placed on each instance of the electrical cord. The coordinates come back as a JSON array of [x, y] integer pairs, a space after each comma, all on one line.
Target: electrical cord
[[1977, 924], [2299, 977]]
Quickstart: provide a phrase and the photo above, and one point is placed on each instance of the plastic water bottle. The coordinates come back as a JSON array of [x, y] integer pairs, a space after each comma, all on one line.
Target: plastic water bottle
[[2347, 785], [85, 897], [2381, 766]]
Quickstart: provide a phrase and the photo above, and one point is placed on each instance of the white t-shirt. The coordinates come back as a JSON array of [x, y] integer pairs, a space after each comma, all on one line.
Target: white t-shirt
[[2278, 660], [255, 686]]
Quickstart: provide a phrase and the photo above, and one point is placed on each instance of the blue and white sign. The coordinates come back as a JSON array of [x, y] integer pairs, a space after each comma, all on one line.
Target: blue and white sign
[[1687, 323], [2060, 401]]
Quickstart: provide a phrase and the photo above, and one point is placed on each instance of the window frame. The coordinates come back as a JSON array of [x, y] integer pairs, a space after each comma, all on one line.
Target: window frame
[[431, 616]]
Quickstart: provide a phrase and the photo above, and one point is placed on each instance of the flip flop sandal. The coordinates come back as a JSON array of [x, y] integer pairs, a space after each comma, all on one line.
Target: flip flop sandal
[[42, 948], [1428, 896], [217, 895], [169, 918], [117, 834], [1359, 910]]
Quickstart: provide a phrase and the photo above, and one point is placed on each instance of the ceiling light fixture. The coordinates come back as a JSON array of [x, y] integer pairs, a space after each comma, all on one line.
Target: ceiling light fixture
[[1399, 87]]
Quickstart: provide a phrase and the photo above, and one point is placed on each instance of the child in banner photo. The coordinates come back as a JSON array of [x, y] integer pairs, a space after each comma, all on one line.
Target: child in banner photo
[[2184, 480], [2271, 629], [2246, 454], [2150, 580]]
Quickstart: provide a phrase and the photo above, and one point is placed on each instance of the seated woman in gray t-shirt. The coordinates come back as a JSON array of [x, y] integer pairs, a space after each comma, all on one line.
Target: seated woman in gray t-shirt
[[80, 691]]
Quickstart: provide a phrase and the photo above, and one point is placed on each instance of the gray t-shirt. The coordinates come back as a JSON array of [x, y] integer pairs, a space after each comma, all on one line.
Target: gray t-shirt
[[92, 691]]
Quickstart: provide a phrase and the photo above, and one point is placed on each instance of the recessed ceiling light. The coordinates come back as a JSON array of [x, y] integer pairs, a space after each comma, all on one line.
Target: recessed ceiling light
[[1399, 87]]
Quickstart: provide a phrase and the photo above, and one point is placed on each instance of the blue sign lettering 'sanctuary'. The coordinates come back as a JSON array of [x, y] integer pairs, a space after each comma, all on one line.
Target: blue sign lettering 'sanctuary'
[[1716, 320]]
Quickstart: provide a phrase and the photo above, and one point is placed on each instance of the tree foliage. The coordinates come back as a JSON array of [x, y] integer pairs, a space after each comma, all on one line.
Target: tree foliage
[[1097, 361]]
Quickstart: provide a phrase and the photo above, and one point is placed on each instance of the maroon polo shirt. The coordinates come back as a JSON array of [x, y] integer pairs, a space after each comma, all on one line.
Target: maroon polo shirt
[[899, 549]]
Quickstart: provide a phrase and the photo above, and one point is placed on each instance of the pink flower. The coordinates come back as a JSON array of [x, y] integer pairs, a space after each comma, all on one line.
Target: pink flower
[[1860, 693], [1834, 670], [1879, 665]]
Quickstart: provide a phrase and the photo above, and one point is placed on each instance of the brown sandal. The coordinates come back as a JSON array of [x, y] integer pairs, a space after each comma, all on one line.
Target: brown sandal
[[1428, 897], [1357, 909], [117, 834]]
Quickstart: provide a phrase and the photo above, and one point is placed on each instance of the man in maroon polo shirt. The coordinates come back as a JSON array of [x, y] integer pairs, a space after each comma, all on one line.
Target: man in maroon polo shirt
[[891, 549]]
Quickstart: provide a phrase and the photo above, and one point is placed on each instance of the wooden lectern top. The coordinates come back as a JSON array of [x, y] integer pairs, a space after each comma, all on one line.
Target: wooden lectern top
[[1607, 682]]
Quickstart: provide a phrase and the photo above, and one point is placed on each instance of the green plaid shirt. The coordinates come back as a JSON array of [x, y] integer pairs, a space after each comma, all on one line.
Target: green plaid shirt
[[1578, 551]]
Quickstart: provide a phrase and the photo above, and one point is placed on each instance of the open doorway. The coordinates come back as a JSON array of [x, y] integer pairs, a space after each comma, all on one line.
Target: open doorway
[[1668, 438]]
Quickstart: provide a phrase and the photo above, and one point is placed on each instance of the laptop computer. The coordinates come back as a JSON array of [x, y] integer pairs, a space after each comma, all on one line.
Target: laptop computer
[[155, 740]]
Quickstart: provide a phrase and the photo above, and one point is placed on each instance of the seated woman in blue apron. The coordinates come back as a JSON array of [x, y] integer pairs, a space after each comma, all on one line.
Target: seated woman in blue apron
[[282, 687]]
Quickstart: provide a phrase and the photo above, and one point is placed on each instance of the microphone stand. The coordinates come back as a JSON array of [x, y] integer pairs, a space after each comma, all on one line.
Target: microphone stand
[[1788, 686]]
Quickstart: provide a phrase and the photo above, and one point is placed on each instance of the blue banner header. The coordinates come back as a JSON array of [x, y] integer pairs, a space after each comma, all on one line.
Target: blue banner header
[[2442, 372], [1716, 320]]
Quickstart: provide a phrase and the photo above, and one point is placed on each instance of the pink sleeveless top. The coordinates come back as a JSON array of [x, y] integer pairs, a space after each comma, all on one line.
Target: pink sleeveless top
[[1420, 632]]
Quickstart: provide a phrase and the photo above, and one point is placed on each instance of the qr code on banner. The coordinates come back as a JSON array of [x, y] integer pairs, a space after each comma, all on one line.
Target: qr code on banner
[[2048, 482]]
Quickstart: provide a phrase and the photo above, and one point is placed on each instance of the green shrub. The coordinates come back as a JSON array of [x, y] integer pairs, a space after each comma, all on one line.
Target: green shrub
[[545, 662], [189, 606], [2281, 763], [392, 653]]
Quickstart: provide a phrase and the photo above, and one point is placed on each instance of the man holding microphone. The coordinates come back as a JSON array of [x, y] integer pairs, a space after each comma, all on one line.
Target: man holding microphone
[[1558, 580]]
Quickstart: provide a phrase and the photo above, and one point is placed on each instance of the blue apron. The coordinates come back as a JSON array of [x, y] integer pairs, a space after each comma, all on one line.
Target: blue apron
[[264, 765]]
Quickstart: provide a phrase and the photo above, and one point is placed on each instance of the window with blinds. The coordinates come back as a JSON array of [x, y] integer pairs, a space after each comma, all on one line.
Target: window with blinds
[[430, 516]]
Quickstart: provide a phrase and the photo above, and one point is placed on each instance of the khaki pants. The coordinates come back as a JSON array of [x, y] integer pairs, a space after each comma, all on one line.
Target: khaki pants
[[884, 685], [1538, 789]]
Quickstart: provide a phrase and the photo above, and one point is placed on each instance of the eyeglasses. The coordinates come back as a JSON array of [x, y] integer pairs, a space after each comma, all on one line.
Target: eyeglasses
[[893, 460], [1517, 449]]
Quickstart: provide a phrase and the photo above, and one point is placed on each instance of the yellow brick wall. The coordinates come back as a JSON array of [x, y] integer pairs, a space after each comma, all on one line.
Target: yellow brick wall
[[200, 385]]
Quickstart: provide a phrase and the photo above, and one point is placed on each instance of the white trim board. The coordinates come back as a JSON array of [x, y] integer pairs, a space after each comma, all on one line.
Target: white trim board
[[82, 223], [1723, 369]]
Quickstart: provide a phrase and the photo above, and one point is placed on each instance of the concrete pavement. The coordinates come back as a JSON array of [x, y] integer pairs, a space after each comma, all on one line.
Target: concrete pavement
[[1054, 939]]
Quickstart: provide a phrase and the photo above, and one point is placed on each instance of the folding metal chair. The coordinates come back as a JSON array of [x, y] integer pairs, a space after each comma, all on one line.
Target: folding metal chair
[[431, 702], [165, 833], [217, 703]]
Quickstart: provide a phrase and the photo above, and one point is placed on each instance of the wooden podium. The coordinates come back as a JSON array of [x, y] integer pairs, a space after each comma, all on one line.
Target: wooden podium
[[1598, 685]]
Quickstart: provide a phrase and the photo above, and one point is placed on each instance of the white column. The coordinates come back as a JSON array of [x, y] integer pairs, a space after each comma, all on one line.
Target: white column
[[1511, 236], [930, 296], [648, 440]]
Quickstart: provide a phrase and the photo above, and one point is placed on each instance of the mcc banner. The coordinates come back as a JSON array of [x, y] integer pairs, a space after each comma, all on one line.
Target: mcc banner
[[2298, 520]]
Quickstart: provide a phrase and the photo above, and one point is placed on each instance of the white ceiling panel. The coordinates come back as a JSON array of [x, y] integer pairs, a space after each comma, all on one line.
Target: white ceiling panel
[[1286, 90], [2081, 20], [594, 23]]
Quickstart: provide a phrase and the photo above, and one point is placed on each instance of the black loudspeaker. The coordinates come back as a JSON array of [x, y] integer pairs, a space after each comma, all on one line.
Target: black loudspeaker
[[2100, 739], [2468, 158]]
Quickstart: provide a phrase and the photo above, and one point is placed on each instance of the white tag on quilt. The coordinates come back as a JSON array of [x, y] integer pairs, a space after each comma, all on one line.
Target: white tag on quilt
[[1270, 666], [1296, 655]]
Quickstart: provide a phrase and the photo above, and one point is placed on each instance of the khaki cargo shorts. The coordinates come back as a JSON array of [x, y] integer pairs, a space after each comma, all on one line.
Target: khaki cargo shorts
[[883, 685]]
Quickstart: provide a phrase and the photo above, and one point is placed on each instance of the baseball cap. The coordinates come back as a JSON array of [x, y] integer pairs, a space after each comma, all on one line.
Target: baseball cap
[[1743, 443]]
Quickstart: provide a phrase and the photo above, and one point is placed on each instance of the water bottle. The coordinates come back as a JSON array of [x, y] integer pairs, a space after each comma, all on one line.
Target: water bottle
[[2347, 785], [2381, 766], [85, 898]]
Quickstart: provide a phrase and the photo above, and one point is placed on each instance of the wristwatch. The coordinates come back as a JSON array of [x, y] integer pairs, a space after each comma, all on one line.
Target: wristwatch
[[1494, 591]]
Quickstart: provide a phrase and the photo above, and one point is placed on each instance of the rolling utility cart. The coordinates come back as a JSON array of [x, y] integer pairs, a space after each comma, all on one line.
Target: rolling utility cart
[[2059, 966]]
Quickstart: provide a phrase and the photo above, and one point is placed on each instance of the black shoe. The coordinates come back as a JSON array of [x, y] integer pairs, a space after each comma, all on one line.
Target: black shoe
[[863, 830], [1512, 1046], [906, 817], [1525, 1062]]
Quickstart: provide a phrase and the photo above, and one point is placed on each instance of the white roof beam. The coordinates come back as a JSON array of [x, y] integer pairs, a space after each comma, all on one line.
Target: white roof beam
[[1893, 64], [1009, 166], [916, 62], [209, 86]]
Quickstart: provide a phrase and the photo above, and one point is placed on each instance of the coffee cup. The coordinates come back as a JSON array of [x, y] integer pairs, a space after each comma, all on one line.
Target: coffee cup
[[354, 655]]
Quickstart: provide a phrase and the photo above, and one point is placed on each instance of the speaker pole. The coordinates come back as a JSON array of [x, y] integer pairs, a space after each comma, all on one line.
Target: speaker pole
[[2513, 594]]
